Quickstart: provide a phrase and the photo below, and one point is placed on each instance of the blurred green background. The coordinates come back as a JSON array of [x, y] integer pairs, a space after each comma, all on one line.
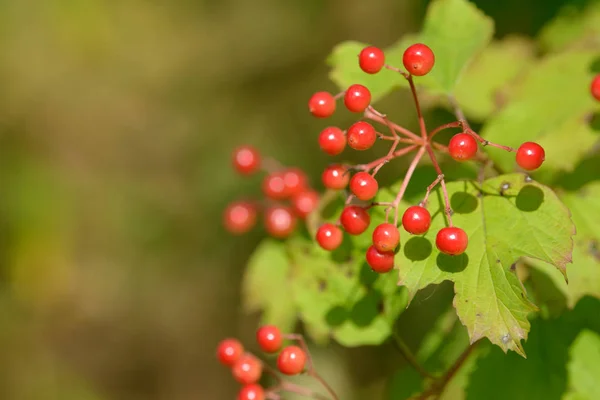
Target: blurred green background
[[117, 119]]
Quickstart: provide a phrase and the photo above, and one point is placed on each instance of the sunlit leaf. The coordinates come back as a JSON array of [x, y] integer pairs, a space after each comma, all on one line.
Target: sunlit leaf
[[552, 106], [506, 217], [454, 29], [583, 368]]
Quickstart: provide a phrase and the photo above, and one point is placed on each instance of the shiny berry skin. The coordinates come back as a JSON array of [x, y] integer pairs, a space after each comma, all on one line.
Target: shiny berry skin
[[335, 177], [329, 236], [361, 135], [530, 156], [357, 98], [229, 351], [380, 261], [355, 220], [247, 369], [332, 140], [364, 186], [251, 392], [291, 360], [462, 147], [295, 181], [371, 59], [321, 105], [305, 202], [239, 217], [416, 220], [246, 160], [418, 59], [269, 338], [279, 221], [452, 241], [386, 237], [595, 87], [274, 187]]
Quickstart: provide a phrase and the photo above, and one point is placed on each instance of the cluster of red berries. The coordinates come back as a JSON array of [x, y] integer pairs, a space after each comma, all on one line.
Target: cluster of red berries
[[248, 369], [418, 60], [286, 189]]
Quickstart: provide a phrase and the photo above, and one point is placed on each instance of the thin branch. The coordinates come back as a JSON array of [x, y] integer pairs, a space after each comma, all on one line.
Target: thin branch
[[436, 165], [387, 158], [404, 350], [374, 115], [409, 172], [455, 124], [413, 90], [430, 188], [485, 142]]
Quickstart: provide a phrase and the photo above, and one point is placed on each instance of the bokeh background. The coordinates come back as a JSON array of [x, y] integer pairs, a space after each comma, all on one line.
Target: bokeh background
[[117, 119]]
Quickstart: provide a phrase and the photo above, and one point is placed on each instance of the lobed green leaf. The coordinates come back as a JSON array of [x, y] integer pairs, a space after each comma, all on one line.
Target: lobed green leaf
[[506, 217]]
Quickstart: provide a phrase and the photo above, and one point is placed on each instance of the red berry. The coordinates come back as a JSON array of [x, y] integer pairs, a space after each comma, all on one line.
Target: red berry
[[332, 140], [418, 59], [239, 217], [291, 360], [335, 177], [269, 338], [279, 221], [355, 220], [462, 147], [246, 160], [247, 369], [321, 105], [386, 237], [416, 220], [229, 351], [452, 241], [357, 98], [364, 186], [295, 181], [274, 187], [304, 203], [371, 59], [329, 236], [251, 392], [530, 156], [380, 261], [361, 136], [595, 87]]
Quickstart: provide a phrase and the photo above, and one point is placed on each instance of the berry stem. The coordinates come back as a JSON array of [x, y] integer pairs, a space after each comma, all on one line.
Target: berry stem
[[409, 172], [413, 90], [485, 142], [310, 368], [455, 124], [398, 70], [271, 165], [436, 165], [410, 357], [429, 188], [374, 115], [458, 111], [387, 158]]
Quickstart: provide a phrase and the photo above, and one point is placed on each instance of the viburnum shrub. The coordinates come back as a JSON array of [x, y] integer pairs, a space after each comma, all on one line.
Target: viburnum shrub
[[487, 198]]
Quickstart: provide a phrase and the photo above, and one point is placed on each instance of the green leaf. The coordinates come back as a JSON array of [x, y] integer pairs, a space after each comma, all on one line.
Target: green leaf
[[543, 375], [483, 89], [583, 367], [552, 105], [506, 217], [454, 29], [265, 285], [584, 273], [572, 26], [338, 295], [346, 71]]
